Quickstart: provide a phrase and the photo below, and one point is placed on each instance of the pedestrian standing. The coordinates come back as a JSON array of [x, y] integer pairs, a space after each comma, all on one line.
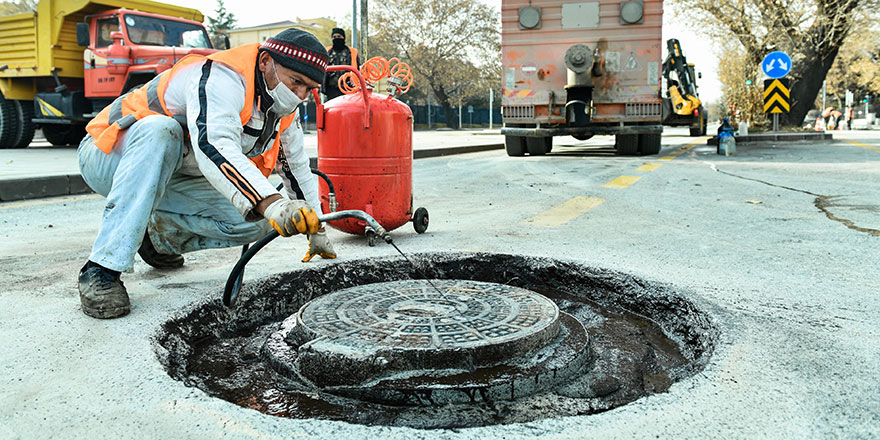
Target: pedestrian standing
[[339, 55]]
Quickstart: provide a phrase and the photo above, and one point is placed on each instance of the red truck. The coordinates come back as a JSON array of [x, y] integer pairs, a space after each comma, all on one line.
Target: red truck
[[63, 63]]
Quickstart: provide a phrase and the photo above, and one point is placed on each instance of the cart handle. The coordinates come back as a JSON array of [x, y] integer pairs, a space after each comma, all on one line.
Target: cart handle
[[320, 105]]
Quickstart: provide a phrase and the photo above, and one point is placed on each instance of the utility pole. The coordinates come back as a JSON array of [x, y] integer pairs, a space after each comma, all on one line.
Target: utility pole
[[867, 105], [354, 24], [491, 95], [429, 110], [364, 27], [459, 113], [823, 95]]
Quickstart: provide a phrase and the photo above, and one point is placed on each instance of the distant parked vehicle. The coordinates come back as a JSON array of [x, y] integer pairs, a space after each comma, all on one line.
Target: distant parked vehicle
[[810, 119]]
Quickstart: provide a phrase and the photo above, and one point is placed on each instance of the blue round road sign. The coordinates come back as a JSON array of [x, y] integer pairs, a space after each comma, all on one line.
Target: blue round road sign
[[776, 64]]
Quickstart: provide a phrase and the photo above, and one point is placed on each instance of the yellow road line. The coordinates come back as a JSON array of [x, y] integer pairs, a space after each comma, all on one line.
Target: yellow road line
[[649, 167], [859, 144], [566, 211], [622, 182], [676, 153], [694, 144], [666, 158], [38, 202]]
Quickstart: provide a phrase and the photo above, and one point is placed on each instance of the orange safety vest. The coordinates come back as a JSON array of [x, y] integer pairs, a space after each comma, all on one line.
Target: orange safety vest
[[149, 99], [354, 55]]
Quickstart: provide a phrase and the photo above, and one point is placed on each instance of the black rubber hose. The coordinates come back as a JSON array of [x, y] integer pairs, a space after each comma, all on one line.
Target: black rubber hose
[[326, 179], [233, 283], [237, 282]]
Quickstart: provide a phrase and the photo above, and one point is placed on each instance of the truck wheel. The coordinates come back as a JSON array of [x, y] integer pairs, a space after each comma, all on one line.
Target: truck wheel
[[627, 144], [8, 123], [25, 133], [538, 146], [515, 145], [700, 129], [56, 134], [76, 134], [649, 143], [705, 123]]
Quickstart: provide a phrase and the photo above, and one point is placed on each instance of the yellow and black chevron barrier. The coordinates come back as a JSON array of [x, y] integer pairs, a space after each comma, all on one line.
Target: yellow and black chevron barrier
[[777, 96]]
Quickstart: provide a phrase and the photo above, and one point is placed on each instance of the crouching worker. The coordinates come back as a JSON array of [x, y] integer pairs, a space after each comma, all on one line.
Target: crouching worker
[[183, 162]]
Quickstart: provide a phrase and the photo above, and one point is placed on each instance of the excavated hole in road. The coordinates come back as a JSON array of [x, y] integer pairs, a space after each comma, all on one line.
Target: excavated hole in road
[[640, 339]]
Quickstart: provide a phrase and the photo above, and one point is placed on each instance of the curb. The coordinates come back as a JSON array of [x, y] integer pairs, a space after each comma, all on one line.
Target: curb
[[71, 184], [39, 187], [777, 137]]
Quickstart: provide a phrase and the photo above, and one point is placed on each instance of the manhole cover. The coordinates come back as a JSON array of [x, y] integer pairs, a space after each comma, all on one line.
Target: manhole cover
[[412, 315], [420, 342]]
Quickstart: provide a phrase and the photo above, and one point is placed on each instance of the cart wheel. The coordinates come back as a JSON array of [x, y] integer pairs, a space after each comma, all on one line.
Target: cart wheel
[[371, 237], [420, 220]]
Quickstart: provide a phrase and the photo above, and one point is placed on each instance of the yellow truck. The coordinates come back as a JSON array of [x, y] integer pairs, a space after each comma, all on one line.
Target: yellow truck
[[66, 61]]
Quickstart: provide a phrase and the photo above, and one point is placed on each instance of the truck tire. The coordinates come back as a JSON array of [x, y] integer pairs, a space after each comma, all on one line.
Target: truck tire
[[76, 134], [539, 146], [25, 130], [649, 143], [627, 144], [515, 145], [705, 123], [8, 123], [699, 130], [56, 134]]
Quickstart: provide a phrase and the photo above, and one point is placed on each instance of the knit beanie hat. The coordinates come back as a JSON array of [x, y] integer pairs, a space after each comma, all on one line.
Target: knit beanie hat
[[339, 31], [298, 50]]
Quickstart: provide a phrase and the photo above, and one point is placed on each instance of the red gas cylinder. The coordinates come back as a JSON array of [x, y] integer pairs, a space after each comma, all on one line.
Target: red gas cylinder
[[365, 148]]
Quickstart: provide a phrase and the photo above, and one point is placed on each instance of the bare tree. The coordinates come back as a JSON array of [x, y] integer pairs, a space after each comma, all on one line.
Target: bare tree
[[857, 66], [17, 7], [811, 31], [453, 46]]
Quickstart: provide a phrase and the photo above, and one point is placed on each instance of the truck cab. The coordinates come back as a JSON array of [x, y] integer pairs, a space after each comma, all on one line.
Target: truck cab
[[64, 62], [128, 48]]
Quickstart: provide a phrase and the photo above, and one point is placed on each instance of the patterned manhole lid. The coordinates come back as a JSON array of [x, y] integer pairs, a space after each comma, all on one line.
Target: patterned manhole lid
[[408, 325], [412, 314]]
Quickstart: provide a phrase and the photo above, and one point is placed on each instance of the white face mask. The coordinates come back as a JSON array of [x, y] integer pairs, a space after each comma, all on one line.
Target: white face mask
[[286, 101]]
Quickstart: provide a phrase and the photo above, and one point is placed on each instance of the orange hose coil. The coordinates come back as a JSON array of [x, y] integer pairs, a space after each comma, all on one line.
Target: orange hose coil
[[374, 70]]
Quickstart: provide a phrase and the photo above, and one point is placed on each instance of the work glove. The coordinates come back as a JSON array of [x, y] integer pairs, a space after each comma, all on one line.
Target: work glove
[[291, 217], [319, 244]]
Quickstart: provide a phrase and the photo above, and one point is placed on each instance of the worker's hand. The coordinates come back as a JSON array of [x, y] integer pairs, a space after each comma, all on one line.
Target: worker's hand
[[319, 244], [291, 217]]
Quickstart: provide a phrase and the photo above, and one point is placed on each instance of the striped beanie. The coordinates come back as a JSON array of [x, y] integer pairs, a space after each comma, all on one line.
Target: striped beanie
[[298, 50]]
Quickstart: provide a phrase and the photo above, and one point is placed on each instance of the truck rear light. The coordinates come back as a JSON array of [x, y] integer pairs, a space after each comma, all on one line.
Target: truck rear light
[[529, 18], [632, 12], [697, 112]]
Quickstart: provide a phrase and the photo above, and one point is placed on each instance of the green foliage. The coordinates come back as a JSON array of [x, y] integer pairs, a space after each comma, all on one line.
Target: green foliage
[[220, 24]]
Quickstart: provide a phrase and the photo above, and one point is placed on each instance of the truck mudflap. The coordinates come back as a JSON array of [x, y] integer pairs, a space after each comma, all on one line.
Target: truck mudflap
[[592, 130], [61, 107]]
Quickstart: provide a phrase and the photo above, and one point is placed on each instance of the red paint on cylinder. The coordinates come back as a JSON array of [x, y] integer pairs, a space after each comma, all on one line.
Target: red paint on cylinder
[[371, 168]]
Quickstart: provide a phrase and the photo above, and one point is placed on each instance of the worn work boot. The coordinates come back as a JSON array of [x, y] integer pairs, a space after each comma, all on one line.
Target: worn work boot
[[101, 292], [160, 261]]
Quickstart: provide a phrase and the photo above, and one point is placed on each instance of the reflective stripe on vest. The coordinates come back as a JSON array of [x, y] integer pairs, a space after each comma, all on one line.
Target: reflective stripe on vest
[[149, 100]]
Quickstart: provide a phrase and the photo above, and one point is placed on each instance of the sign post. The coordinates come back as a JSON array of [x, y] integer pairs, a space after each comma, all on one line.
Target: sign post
[[777, 95]]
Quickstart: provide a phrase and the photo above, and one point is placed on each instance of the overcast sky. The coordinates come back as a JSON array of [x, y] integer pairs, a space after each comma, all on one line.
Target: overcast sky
[[256, 12]]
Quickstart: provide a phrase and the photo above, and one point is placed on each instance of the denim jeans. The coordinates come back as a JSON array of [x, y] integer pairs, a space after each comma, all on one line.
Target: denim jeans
[[139, 179]]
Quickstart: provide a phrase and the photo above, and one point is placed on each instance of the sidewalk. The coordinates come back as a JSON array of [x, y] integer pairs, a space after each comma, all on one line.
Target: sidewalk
[[43, 170]]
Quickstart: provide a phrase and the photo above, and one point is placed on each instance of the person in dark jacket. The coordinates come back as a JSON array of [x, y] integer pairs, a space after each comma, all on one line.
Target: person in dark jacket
[[340, 55]]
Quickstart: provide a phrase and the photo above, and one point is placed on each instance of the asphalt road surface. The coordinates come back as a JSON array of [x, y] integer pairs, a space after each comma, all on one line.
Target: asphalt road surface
[[780, 243]]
